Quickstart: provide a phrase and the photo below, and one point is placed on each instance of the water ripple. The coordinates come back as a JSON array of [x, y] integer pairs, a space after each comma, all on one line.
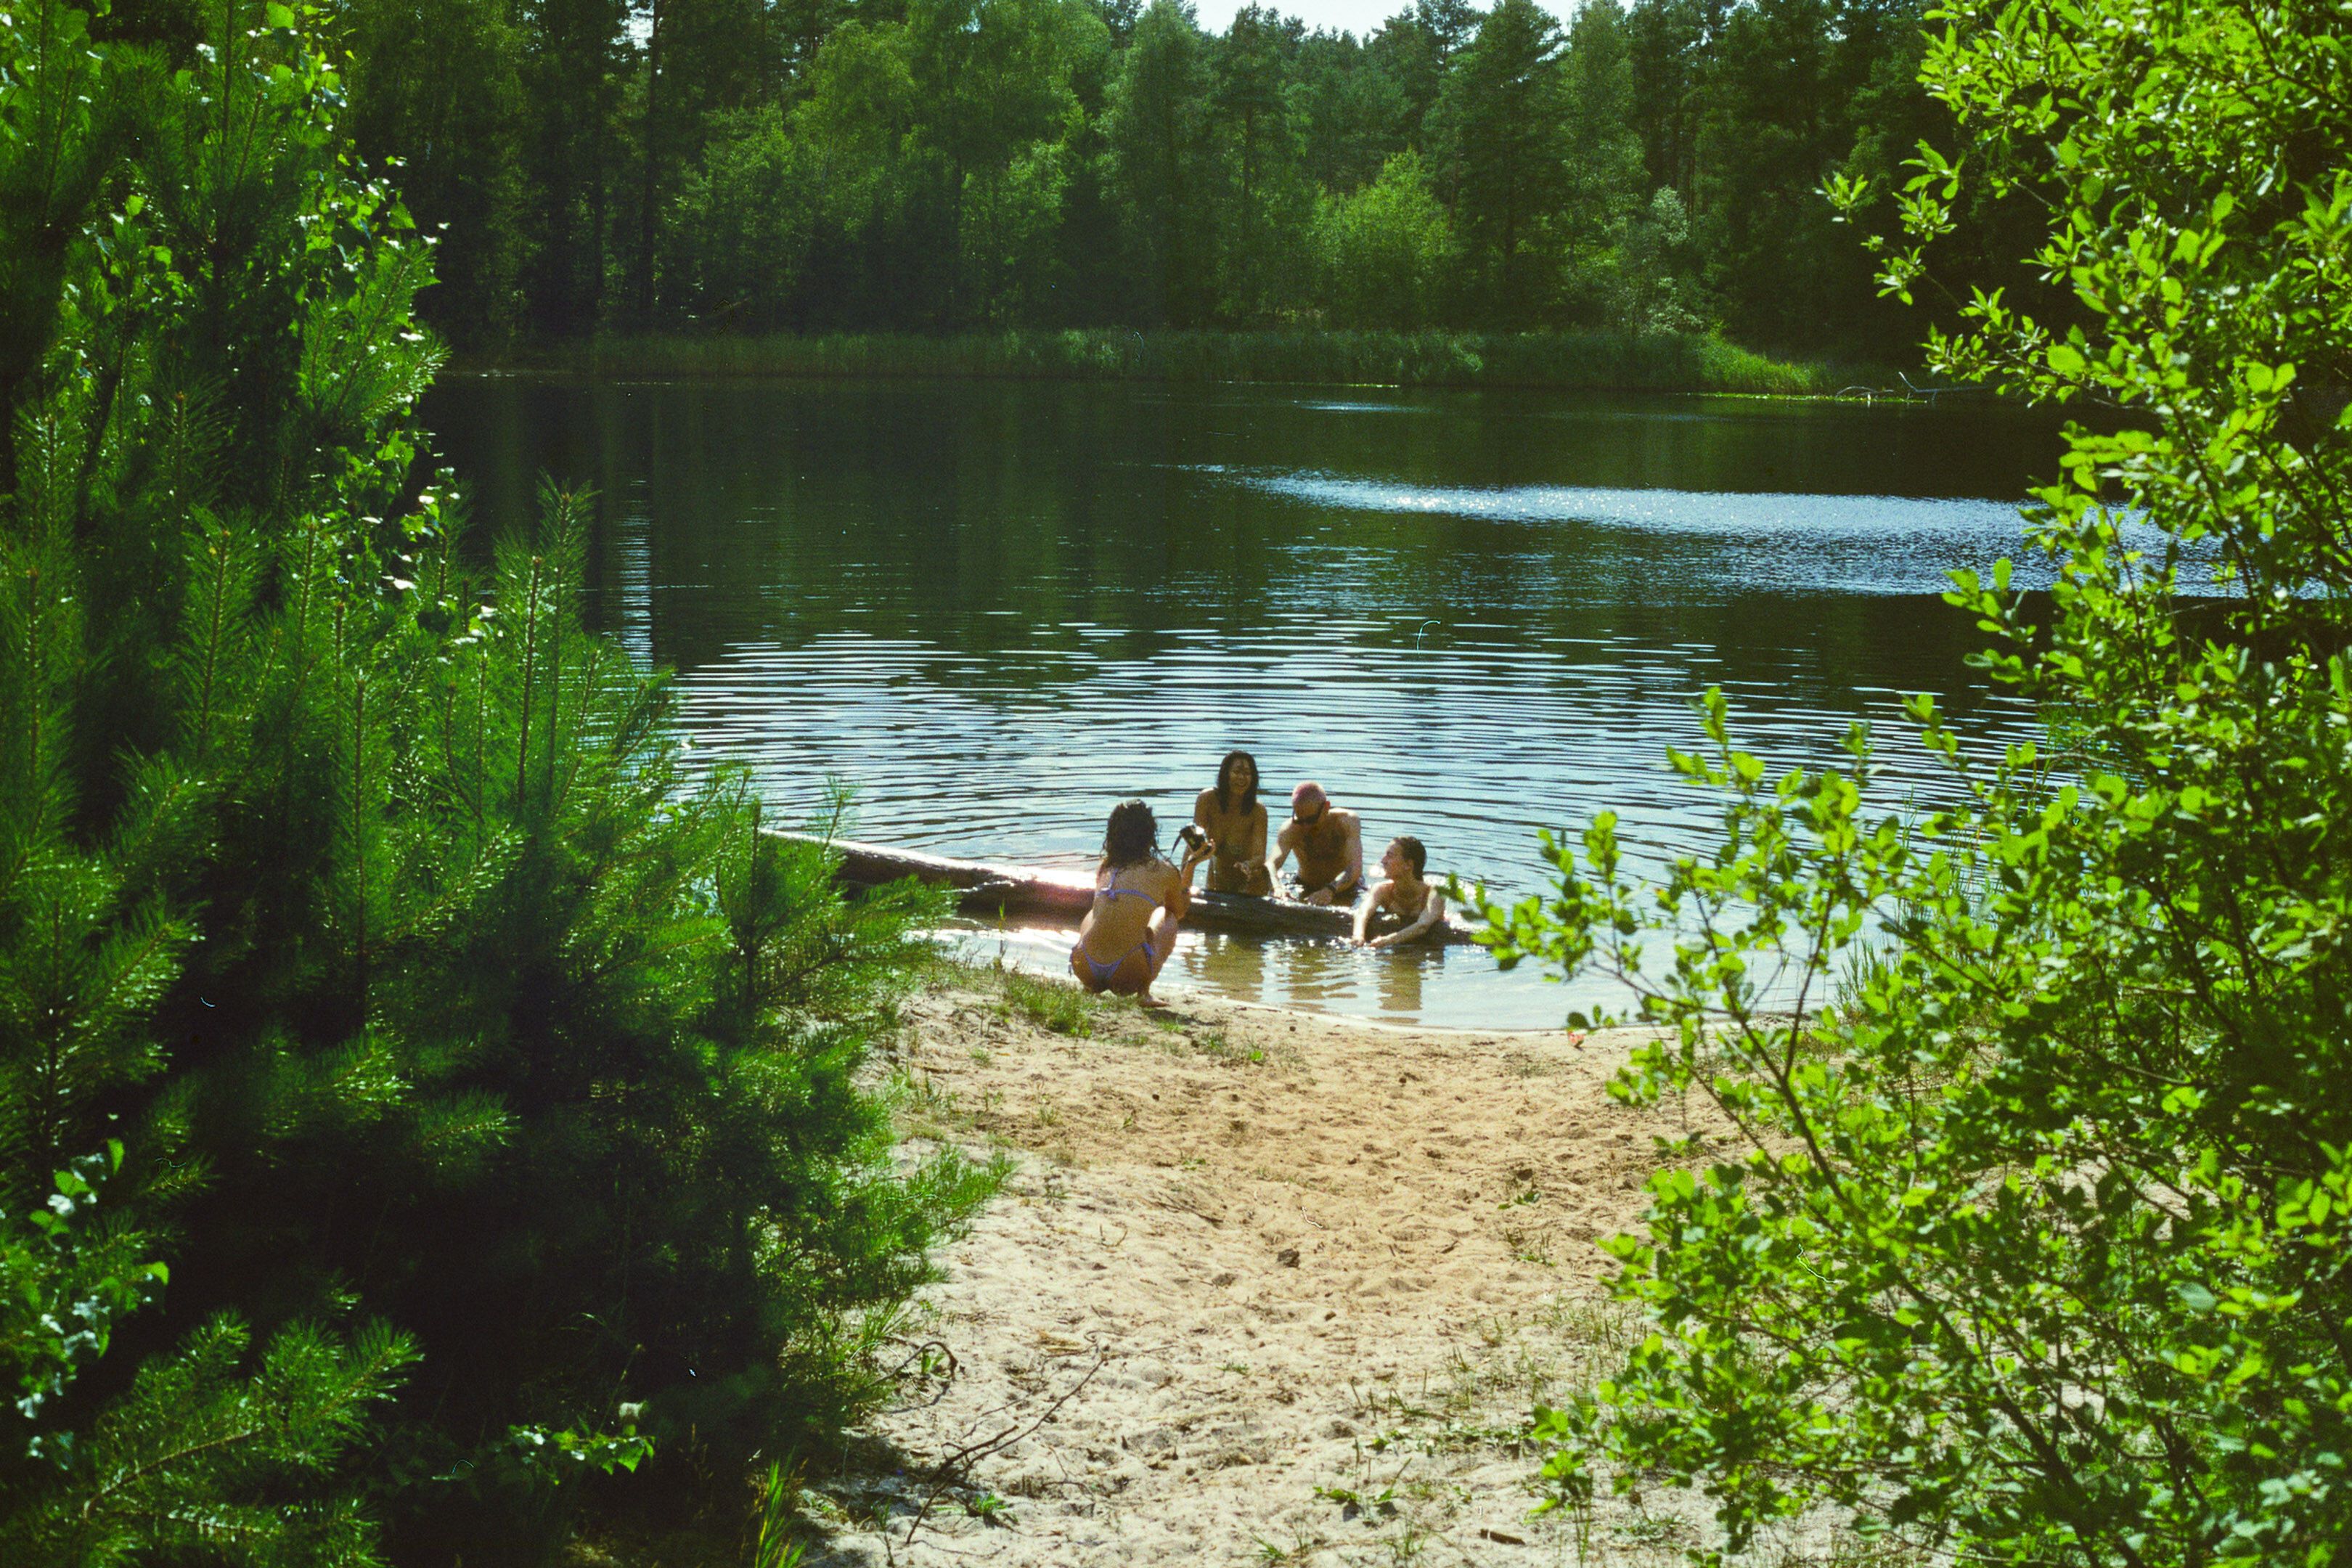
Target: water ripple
[[1878, 544], [996, 608]]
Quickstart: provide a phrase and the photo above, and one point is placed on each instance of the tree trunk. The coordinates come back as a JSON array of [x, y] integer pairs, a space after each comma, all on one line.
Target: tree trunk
[[649, 196]]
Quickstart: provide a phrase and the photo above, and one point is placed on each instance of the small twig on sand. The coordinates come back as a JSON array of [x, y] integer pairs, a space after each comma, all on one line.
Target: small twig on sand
[[955, 1465], [929, 1353]]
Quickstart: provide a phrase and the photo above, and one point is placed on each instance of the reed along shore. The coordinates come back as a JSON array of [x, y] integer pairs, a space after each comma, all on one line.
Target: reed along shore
[[1595, 362]]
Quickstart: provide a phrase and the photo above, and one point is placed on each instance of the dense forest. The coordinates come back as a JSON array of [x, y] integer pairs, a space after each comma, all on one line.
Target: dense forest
[[946, 166]]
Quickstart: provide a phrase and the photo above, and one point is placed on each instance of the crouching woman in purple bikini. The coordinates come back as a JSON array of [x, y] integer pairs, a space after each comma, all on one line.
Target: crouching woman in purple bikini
[[1131, 928]]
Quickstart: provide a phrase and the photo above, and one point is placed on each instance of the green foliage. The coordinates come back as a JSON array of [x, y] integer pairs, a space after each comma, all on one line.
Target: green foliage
[[573, 67], [557, 1457], [438, 84], [1504, 153], [1650, 362], [749, 214], [197, 1461], [65, 1277], [2039, 1249], [1157, 129], [1265, 200], [355, 903], [1655, 267], [948, 116], [950, 166], [1599, 254], [1385, 251], [1049, 1004], [993, 78], [774, 1546]]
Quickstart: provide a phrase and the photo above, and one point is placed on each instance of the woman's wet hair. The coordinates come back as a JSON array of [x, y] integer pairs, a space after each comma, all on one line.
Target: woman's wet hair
[[1225, 783], [1132, 836], [1414, 854]]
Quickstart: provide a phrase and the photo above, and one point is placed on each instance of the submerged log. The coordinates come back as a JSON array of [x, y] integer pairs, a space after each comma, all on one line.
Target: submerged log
[[992, 891]]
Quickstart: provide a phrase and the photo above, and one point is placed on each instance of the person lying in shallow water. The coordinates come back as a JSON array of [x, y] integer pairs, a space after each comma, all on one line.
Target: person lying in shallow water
[[1329, 844], [1130, 928], [1404, 894], [1235, 822]]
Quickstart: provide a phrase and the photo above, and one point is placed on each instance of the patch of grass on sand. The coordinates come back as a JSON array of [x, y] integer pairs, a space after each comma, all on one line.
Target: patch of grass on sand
[[1048, 1004], [1849, 1550], [927, 1109], [1481, 1397], [1055, 1004]]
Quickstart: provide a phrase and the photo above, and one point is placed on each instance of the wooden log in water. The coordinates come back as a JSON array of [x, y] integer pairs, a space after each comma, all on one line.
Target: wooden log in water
[[989, 892]]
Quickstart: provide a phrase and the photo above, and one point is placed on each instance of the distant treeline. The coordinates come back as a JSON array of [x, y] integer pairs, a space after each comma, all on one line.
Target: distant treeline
[[936, 166]]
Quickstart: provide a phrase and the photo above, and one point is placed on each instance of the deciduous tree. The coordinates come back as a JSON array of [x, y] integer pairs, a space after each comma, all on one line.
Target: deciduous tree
[[2033, 1245]]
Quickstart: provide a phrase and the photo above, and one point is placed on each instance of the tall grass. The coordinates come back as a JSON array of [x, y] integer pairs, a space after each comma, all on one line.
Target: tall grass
[[1585, 360]]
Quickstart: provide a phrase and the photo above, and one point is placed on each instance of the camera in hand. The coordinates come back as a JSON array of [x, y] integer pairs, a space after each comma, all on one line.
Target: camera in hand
[[1190, 839]]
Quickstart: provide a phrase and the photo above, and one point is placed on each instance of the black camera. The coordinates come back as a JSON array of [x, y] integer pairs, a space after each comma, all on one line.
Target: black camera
[[1190, 837]]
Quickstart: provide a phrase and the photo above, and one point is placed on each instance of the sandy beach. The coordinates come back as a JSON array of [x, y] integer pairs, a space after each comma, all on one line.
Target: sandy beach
[[1263, 1287]]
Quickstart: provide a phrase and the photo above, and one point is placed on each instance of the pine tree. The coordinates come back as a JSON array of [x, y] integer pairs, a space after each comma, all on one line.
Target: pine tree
[[1504, 147], [1266, 197], [96, 893], [1606, 188], [1158, 128], [365, 954]]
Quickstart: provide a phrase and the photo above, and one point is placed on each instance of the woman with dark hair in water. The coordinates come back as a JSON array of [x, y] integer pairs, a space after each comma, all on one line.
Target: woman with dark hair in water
[[1235, 824], [1130, 930]]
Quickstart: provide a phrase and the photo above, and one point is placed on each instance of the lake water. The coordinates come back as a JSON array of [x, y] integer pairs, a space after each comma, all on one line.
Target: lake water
[[996, 608]]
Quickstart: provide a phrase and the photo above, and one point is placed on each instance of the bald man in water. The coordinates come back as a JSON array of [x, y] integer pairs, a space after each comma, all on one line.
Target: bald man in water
[[1329, 844]]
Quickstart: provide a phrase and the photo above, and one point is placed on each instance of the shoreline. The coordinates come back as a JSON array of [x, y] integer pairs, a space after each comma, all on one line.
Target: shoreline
[[1684, 365], [1040, 951]]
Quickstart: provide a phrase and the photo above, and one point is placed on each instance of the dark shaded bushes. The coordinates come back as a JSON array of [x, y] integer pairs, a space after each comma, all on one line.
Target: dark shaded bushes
[[364, 956]]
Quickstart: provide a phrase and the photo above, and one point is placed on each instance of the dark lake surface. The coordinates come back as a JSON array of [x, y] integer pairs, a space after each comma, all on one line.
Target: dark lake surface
[[996, 608]]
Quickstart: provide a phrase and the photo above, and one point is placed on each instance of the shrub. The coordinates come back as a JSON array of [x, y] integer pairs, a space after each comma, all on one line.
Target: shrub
[[1384, 250], [365, 954], [2040, 1251]]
